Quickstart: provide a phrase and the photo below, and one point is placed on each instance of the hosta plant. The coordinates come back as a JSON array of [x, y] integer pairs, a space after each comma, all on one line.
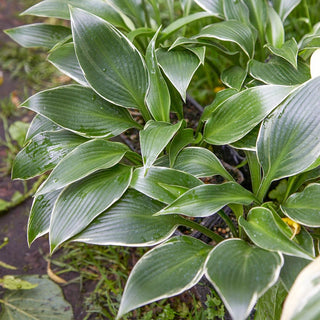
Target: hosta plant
[[133, 62]]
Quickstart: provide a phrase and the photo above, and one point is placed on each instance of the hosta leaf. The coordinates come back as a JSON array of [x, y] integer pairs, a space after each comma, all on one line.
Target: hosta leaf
[[236, 11], [205, 200], [87, 158], [221, 96], [233, 31], [152, 183], [279, 71], [154, 277], [215, 7], [64, 58], [234, 77], [44, 302], [87, 113], [84, 200], [288, 142], [288, 51], [182, 41], [60, 9], [129, 222], [290, 270], [179, 66], [40, 124], [304, 207], [239, 114], [249, 141], [303, 299], [200, 162], [181, 140], [270, 304], [158, 96], [240, 274], [134, 9], [182, 22], [258, 11], [43, 153], [266, 232], [284, 7], [40, 214], [38, 35], [275, 29], [110, 62], [154, 138]]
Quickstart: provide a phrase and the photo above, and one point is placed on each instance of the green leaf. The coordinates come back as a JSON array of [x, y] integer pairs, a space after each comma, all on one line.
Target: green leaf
[[154, 277], [201, 163], [110, 62], [279, 192], [290, 270], [129, 222], [275, 29], [40, 215], [158, 96], [81, 202], [239, 114], [288, 51], [43, 153], [45, 302], [258, 11], [154, 138], [284, 7], [64, 58], [87, 158], [38, 35], [179, 67], [303, 299], [233, 77], [13, 283], [134, 9], [236, 11], [303, 207], [249, 141], [269, 305], [215, 7], [288, 142], [150, 184], [279, 71], [268, 232], [221, 96], [40, 124], [240, 274], [60, 9], [87, 113], [181, 140], [182, 22], [18, 131], [233, 31], [205, 200]]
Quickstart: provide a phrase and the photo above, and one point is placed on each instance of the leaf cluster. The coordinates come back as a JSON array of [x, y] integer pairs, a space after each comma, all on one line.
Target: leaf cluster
[[133, 62]]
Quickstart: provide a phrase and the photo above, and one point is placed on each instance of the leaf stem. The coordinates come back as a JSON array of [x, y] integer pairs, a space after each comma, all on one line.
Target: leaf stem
[[263, 189], [255, 170], [191, 224]]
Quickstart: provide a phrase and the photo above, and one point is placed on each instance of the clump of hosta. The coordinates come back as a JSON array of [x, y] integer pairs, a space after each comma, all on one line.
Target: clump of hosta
[[139, 58]]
